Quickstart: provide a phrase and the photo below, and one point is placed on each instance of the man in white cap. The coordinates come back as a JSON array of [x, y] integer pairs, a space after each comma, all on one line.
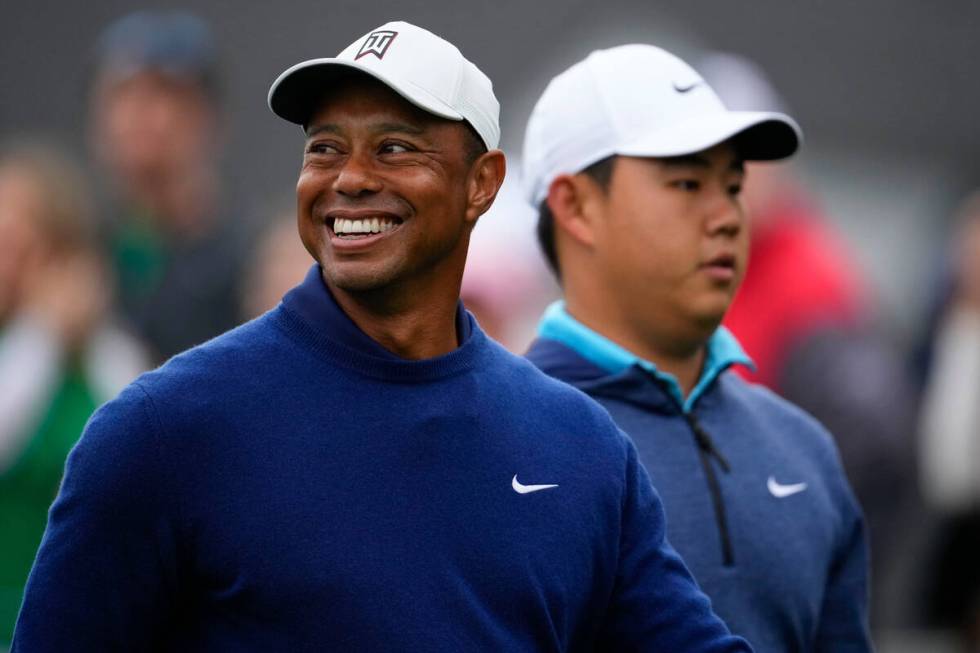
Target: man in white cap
[[636, 168], [361, 468]]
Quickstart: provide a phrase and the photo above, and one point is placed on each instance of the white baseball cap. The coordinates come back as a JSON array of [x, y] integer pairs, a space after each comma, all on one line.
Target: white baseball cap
[[423, 68], [638, 100]]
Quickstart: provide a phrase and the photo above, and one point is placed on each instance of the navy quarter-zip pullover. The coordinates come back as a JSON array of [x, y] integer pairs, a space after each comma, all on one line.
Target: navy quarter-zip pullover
[[757, 503]]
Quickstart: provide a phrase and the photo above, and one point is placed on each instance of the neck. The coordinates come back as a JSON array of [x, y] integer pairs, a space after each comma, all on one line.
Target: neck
[[682, 358], [395, 319]]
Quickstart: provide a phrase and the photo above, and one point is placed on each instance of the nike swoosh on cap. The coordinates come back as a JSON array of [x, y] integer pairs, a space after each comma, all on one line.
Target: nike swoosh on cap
[[781, 491], [684, 89], [520, 488]]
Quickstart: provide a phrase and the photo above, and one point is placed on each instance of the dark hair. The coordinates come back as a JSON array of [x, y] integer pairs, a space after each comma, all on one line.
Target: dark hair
[[601, 173], [473, 145]]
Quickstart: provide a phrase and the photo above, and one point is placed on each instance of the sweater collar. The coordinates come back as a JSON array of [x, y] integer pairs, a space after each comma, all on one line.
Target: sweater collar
[[310, 311], [723, 351], [315, 304]]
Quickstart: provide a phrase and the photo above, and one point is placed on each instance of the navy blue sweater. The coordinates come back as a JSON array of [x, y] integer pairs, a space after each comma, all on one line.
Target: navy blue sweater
[[292, 486], [756, 499]]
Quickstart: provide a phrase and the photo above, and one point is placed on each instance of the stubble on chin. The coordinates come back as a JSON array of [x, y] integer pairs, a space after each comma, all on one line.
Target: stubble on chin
[[355, 281]]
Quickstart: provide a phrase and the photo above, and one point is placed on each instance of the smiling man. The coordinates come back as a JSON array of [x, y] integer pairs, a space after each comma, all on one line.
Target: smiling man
[[361, 468], [636, 168]]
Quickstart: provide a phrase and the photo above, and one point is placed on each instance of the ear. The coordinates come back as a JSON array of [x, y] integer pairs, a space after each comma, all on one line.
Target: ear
[[485, 178], [573, 200]]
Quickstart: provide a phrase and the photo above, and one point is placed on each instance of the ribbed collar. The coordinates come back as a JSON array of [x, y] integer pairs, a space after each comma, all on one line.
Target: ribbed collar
[[723, 351], [310, 311]]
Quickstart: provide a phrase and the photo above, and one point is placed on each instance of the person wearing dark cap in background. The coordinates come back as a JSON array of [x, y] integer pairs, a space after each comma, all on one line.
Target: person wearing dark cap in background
[[636, 167], [176, 243], [361, 468]]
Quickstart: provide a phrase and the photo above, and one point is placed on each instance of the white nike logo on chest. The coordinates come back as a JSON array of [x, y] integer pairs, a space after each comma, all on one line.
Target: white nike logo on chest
[[527, 489], [781, 491]]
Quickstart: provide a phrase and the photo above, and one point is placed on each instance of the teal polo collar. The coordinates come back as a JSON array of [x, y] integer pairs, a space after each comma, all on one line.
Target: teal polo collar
[[723, 351]]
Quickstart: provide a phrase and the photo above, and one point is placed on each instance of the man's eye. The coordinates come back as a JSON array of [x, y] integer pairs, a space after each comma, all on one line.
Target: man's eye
[[687, 184], [394, 148], [735, 190], [320, 148]]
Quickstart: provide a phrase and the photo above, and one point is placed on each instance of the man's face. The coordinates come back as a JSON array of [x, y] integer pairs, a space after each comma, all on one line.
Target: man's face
[[672, 241], [21, 241], [382, 192], [149, 125]]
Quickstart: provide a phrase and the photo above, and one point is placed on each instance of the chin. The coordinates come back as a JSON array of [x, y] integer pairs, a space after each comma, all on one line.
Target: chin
[[709, 317], [356, 280]]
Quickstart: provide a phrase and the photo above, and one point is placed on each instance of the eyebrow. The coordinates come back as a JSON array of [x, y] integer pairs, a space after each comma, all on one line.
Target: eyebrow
[[686, 160], [699, 161], [382, 128], [319, 129]]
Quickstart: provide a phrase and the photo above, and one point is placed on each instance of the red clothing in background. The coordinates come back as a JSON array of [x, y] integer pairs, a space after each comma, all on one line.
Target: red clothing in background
[[800, 279]]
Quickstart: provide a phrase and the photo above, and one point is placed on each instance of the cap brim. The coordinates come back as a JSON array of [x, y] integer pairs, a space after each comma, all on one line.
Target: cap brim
[[758, 136], [295, 93]]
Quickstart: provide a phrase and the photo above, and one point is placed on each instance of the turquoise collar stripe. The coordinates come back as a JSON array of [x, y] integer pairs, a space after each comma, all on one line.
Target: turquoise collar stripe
[[723, 352]]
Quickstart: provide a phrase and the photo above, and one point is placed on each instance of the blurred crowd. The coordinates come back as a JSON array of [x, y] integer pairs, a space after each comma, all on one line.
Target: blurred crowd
[[100, 281]]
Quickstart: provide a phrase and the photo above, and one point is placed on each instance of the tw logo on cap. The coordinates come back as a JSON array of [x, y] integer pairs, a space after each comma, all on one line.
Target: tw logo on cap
[[376, 43]]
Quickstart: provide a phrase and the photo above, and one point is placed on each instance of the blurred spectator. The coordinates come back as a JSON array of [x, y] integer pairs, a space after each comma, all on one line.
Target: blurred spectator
[[950, 437], [176, 244], [805, 316], [280, 263], [59, 358]]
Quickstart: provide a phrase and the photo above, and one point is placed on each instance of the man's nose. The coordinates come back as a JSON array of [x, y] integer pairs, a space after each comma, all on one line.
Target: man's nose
[[357, 176], [725, 214]]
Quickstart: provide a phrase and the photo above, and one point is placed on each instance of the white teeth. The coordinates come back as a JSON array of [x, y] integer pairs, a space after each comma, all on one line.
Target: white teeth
[[366, 226]]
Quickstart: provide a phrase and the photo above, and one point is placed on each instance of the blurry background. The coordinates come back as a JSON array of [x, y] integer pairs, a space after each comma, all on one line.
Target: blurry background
[[886, 94]]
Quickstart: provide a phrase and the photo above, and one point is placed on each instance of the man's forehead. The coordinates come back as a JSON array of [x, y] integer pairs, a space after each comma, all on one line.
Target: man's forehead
[[723, 154]]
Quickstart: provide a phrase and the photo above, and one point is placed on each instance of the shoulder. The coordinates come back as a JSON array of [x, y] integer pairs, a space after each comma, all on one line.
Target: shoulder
[[214, 377], [788, 432], [548, 390], [117, 460], [788, 424], [220, 361], [163, 411], [558, 406]]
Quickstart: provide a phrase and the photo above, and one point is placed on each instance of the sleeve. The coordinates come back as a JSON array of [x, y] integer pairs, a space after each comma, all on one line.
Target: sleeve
[[104, 575], [844, 614], [656, 603]]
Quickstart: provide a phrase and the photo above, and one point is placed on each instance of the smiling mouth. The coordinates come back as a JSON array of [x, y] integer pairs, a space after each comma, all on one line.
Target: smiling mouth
[[350, 229]]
